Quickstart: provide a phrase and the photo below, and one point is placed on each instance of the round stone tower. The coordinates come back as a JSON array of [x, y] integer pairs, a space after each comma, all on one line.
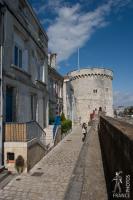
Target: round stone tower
[[93, 91]]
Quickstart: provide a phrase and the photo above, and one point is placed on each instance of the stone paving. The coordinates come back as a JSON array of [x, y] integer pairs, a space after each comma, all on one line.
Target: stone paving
[[88, 182], [55, 170], [71, 171]]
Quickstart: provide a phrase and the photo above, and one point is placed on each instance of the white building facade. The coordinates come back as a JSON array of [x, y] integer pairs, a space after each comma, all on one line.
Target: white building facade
[[69, 100], [24, 67]]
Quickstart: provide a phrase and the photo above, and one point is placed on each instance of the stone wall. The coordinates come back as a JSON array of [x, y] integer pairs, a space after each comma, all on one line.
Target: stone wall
[[18, 148], [32, 152], [35, 152], [31, 77], [58, 137], [116, 139]]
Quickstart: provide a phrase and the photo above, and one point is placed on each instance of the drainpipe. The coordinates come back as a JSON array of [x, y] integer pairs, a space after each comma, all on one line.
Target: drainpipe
[[1, 81]]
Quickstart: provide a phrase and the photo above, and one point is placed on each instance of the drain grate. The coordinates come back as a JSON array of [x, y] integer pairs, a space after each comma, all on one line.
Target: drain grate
[[18, 179], [68, 140], [39, 168], [37, 174]]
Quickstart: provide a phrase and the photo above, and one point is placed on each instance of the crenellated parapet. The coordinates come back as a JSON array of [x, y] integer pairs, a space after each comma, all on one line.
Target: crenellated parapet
[[95, 73], [95, 76]]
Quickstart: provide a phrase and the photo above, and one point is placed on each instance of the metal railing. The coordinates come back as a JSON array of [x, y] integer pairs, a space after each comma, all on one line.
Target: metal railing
[[23, 132]]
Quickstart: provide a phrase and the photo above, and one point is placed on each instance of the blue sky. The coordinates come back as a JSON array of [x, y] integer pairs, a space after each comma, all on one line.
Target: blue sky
[[102, 29]]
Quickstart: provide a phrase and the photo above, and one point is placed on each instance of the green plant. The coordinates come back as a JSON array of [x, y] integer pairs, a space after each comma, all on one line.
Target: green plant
[[19, 164], [69, 124], [63, 118], [66, 125]]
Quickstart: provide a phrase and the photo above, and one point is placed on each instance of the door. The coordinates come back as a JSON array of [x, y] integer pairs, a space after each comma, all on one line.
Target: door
[[9, 104]]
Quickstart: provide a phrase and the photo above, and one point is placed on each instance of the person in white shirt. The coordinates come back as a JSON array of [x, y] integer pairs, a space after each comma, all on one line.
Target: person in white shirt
[[84, 131]]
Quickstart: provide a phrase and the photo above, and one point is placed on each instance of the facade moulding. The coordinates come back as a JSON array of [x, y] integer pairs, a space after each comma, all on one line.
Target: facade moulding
[[25, 82], [36, 19], [55, 73], [20, 70]]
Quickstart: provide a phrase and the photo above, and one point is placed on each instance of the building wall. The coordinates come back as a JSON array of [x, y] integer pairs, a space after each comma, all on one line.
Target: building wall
[[31, 78], [92, 89], [55, 92], [18, 148], [31, 152], [69, 100]]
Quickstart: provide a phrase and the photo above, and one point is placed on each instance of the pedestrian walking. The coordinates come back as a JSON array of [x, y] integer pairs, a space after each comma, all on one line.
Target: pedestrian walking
[[84, 131]]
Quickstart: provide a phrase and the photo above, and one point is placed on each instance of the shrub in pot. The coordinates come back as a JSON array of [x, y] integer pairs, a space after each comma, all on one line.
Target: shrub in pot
[[66, 125], [19, 164]]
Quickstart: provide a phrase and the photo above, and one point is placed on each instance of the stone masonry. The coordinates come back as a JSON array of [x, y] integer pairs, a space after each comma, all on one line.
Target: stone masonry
[[92, 90]]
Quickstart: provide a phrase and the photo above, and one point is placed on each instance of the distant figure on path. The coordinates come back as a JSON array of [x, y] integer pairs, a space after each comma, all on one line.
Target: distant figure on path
[[84, 131], [56, 124]]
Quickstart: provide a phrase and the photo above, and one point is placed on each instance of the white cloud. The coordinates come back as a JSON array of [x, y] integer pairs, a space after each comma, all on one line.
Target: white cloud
[[123, 98], [52, 5], [72, 27]]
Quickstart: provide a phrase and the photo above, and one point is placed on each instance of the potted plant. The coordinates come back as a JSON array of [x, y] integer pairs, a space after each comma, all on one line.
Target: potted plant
[[19, 164]]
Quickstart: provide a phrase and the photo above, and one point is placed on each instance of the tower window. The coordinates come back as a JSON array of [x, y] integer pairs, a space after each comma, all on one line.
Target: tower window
[[95, 91]]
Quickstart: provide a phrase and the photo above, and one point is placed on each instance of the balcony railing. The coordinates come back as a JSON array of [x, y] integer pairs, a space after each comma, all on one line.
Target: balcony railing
[[24, 132]]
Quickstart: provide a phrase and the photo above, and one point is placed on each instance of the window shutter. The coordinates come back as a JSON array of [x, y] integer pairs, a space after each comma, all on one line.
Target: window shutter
[[25, 60]]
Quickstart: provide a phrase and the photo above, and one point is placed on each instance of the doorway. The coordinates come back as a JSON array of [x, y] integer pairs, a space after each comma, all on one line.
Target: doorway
[[9, 104]]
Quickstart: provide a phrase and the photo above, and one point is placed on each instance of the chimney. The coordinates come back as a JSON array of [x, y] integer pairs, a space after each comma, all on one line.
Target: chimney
[[52, 60]]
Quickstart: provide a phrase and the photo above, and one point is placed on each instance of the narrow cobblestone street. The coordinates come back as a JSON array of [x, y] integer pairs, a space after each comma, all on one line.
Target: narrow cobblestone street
[[56, 170], [71, 171]]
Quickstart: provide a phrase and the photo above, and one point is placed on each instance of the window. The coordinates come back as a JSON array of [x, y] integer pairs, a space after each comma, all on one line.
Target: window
[[20, 53], [95, 91], [41, 73], [10, 156], [33, 53], [107, 89], [17, 56]]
